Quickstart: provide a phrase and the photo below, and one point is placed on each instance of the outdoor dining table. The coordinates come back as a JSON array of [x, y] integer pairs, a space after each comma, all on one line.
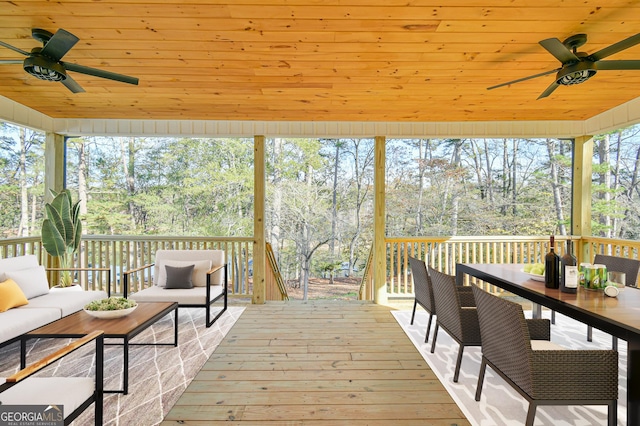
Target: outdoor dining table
[[618, 316]]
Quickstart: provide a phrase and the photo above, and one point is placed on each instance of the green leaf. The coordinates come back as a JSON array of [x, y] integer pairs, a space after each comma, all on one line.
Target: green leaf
[[52, 239]]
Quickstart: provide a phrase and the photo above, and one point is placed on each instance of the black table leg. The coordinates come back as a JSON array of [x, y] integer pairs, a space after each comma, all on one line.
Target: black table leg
[[125, 371], [633, 378]]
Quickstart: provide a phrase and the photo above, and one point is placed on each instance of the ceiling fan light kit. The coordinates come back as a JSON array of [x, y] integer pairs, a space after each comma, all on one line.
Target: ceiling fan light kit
[[578, 67], [576, 73], [45, 63]]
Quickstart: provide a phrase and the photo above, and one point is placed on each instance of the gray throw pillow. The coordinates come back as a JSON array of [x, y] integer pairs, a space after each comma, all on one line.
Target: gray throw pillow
[[179, 277]]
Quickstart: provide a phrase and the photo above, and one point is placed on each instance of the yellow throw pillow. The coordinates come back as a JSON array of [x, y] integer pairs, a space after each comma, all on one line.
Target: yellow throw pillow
[[11, 296]]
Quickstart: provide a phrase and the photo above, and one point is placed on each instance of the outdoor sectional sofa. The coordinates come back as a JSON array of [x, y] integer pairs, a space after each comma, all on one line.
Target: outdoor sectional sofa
[[43, 306]]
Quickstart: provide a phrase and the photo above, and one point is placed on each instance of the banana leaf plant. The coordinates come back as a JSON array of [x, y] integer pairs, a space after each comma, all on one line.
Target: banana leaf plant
[[62, 231]]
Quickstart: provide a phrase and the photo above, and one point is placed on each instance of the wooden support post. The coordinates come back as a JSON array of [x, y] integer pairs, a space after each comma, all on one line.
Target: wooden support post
[[259, 239], [379, 247], [581, 197], [54, 166]]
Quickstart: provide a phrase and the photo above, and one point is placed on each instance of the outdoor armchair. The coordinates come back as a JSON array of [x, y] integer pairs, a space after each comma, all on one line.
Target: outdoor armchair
[[456, 314], [172, 281], [542, 372], [71, 394]]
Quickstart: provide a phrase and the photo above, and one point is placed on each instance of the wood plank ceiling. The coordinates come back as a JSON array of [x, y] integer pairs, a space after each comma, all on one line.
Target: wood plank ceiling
[[327, 60]]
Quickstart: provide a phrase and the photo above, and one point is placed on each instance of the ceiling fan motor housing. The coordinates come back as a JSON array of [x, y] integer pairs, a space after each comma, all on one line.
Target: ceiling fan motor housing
[[44, 69], [576, 73]]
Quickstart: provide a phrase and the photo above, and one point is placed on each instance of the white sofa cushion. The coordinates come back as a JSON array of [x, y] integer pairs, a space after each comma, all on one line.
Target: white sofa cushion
[[17, 263], [17, 321], [216, 257], [66, 302], [69, 392], [191, 296], [33, 281], [198, 278]]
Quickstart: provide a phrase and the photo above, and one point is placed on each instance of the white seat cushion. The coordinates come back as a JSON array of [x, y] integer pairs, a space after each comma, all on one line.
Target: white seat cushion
[[67, 302], [69, 392], [545, 345], [191, 296], [18, 321]]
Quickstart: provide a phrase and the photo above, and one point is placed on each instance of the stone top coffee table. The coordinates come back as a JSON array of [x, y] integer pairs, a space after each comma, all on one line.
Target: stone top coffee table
[[125, 328]]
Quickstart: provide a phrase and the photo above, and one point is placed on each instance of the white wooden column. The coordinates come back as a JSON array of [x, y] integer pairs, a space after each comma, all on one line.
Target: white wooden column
[[379, 246], [259, 240], [581, 197], [54, 157]]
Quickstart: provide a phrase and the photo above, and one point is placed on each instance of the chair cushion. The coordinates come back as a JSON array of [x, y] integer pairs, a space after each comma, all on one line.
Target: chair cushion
[[65, 302], [198, 277], [18, 321], [179, 276], [192, 296], [17, 263], [33, 281], [545, 345], [11, 296], [216, 257], [68, 392]]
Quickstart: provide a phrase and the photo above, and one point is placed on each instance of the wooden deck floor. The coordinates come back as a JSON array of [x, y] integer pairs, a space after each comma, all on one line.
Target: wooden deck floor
[[316, 363]]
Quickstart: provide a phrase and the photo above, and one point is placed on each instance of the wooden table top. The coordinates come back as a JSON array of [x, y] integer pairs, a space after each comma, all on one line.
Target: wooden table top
[[81, 323], [592, 307]]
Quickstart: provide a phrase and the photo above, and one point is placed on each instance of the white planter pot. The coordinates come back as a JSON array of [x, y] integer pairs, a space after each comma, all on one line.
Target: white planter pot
[[75, 287]]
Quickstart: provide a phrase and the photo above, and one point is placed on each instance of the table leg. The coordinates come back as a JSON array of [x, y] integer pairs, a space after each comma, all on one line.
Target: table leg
[[633, 378], [536, 310], [125, 371], [175, 328], [23, 352]]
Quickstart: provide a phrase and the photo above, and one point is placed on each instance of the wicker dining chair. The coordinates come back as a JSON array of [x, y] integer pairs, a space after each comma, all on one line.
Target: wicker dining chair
[[542, 372], [456, 314], [630, 267], [423, 291]]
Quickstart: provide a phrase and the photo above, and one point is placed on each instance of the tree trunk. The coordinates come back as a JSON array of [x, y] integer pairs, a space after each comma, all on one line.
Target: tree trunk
[[23, 228], [555, 186]]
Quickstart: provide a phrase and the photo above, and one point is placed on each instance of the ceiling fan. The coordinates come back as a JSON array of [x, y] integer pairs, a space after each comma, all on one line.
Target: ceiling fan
[[45, 62], [578, 67]]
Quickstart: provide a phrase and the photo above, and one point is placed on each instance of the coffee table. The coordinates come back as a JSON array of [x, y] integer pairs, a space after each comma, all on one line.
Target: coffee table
[[125, 328]]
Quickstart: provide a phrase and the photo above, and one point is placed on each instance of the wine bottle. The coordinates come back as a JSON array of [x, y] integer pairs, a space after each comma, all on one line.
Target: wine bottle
[[551, 267], [568, 271]]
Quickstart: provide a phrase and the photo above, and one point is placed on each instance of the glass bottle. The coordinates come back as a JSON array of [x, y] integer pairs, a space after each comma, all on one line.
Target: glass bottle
[[568, 271], [552, 267]]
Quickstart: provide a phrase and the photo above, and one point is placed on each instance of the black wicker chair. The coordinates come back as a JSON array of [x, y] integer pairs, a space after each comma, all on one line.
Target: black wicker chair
[[456, 314], [543, 373], [630, 267], [423, 291]]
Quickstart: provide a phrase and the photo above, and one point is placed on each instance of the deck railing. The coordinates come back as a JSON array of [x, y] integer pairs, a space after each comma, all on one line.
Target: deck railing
[[443, 253], [121, 253]]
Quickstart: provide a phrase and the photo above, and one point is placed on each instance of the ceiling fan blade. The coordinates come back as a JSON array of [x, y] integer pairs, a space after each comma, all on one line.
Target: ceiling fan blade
[[15, 49], [559, 50], [100, 73], [524, 79], [549, 90], [72, 85], [615, 48], [58, 46], [618, 65], [11, 61]]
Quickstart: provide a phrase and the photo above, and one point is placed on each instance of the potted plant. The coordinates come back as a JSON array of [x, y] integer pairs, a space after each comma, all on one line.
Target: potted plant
[[62, 231]]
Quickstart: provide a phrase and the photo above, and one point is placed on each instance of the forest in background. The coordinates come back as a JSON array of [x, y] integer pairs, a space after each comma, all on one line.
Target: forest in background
[[320, 191]]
